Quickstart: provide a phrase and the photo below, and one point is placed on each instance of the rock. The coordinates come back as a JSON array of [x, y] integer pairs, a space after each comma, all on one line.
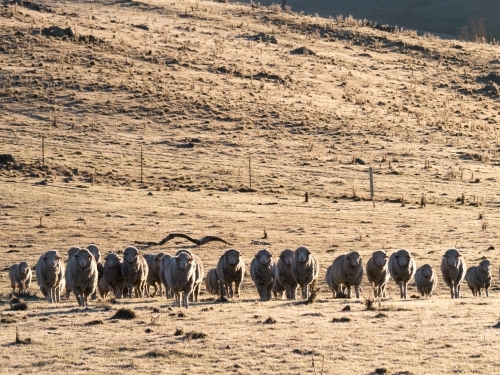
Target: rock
[[359, 161]]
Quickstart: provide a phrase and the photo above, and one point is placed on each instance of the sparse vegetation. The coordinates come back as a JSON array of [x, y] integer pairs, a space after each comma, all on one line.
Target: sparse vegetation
[[189, 83]]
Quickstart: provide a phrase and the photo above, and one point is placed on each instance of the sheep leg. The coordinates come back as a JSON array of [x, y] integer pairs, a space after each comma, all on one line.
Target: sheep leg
[[185, 299], [178, 299], [270, 292], [486, 291], [401, 289], [197, 292], [458, 291], [356, 289], [305, 291], [479, 291], [293, 293], [405, 287], [236, 289]]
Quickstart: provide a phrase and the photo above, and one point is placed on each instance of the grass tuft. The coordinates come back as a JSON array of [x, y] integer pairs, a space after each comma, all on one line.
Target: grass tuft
[[195, 335], [344, 319], [94, 322], [269, 321]]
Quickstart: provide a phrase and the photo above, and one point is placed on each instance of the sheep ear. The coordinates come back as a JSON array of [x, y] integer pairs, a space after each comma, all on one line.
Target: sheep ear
[[190, 260], [256, 254], [459, 255]]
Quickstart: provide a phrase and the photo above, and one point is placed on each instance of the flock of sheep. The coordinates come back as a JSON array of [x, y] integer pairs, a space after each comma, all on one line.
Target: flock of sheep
[[181, 275]]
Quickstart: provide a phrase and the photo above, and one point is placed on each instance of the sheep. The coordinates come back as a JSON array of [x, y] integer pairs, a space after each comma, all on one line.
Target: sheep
[[345, 271], [134, 271], [199, 273], [20, 276], [212, 282], [181, 277], [112, 279], [402, 268], [231, 269], [453, 270], [305, 270], [50, 275], [377, 272], [163, 268], [284, 276], [425, 280], [154, 265], [71, 253], [81, 276], [94, 249], [263, 273], [479, 277]]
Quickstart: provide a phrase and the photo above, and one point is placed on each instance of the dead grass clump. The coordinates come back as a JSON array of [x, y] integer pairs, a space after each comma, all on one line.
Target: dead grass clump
[[156, 353], [343, 319], [124, 313], [94, 322], [269, 321], [195, 335], [18, 339], [313, 314], [179, 332], [8, 320], [346, 308], [181, 315], [393, 308], [303, 352], [21, 306], [381, 315]]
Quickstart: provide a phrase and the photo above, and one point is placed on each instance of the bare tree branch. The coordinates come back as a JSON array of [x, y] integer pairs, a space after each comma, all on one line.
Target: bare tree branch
[[201, 241]]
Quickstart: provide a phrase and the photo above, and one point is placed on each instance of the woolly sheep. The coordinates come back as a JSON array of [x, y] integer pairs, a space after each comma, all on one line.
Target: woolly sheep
[[231, 269], [71, 253], [20, 276], [425, 280], [212, 282], [453, 270], [305, 270], [163, 269], [346, 271], [94, 249], [199, 273], [81, 276], [50, 275], [112, 279], [134, 271], [181, 276], [402, 268], [263, 273], [154, 265], [479, 277], [377, 272], [284, 276]]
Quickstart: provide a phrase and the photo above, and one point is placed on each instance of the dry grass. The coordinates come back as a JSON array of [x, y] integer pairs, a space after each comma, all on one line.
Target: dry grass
[[188, 83]]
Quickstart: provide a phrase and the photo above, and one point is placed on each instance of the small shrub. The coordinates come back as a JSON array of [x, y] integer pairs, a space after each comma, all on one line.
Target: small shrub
[[269, 321], [124, 313], [179, 332], [21, 306]]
